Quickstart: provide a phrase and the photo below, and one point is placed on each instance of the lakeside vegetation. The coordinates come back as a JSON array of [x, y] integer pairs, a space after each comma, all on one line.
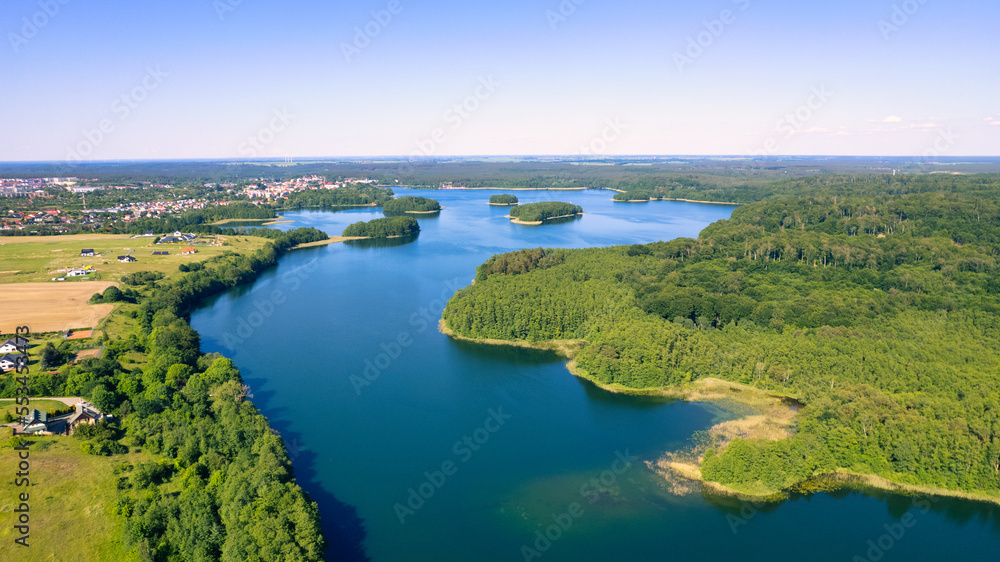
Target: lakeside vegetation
[[348, 196], [410, 204], [504, 199], [215, 481], [874, 302], [388, 227], [637, 195], [540, 212]]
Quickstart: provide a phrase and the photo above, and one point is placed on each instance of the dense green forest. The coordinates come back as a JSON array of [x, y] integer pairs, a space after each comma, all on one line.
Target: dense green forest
[[410, 204], [348, 196], [384, 228], [504, 199], [874, 301], [534, 212], [224, 489]]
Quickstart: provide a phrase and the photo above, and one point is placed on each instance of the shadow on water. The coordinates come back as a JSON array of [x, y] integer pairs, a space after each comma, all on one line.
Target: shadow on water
[[507, 353], [898, 504], [342, 528], [381, 242], [598, 394], [434, 215]]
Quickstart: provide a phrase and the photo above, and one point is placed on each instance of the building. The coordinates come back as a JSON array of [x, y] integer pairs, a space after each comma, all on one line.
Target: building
[[76, 273], [189, 250], [127, 259], [87, 253], [13, 345], [11, 361], [39, 423]]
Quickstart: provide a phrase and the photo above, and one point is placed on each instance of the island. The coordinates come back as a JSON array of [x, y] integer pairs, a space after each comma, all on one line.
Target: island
[[538, 213], [411, 204], [389, 227], [505, 200], [637, 196]]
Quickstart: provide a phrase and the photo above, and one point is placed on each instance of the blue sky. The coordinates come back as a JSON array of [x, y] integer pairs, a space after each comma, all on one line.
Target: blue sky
[[232, 78]]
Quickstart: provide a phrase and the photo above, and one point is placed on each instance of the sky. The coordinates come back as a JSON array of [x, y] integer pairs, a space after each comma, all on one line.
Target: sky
[[103, 80]]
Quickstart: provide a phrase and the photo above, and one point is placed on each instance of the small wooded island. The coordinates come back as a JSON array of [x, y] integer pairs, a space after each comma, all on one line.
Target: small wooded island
[[410, 204], [389, 227], [505, 200], [538, 213], [638, 196]]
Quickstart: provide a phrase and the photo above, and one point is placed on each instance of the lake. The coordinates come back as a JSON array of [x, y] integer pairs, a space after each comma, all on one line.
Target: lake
[[417, 447]]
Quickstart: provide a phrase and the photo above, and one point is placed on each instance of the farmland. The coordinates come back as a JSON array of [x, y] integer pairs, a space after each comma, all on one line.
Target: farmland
[[42, 258]]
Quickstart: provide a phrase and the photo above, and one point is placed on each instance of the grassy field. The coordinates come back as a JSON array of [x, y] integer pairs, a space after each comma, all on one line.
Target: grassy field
[[40, 258], [8, 405], [71, 498]]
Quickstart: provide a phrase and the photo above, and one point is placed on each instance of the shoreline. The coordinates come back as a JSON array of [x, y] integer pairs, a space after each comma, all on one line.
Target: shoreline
[[330, 240], [424, 212], [713, 390], [504, 204], [512, 188], [516, 220], [227, 221]]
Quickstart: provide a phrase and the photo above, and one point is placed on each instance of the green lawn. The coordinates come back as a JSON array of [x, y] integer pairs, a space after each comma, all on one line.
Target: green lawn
[[8, 405], [37, 258], [71, 498]]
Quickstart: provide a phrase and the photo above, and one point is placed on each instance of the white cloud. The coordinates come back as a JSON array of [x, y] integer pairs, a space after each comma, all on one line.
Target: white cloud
[[893, 119]]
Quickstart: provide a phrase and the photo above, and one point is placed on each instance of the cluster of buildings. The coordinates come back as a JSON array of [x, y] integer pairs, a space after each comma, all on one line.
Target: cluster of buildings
[[11, 355], [263, 189], [154, 209], [31, 187], [54, 218]]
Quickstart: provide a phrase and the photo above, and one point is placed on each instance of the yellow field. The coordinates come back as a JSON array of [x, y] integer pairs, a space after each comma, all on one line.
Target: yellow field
[[51, 307]]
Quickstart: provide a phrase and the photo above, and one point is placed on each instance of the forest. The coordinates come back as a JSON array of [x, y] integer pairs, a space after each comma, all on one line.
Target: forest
[[504, 199], [223, 488], [873, 301], [348, 196], [410, 204], [388, 227], [536, 212]]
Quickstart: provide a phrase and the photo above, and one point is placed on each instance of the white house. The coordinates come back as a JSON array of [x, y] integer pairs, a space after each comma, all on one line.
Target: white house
[[87, 253], [76, 273], [12, 360], [11, 345]]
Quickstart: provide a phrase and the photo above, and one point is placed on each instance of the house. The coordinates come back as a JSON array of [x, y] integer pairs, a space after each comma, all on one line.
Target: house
[[40, 423], [11, 361], [189, 250], [85, 413], [36, 422], [76, 273], [13, 345], [87, 253], [168, 240], [126, 259]]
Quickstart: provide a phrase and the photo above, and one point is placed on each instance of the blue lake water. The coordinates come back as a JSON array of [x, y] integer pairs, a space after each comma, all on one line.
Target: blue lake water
[[340, 347]]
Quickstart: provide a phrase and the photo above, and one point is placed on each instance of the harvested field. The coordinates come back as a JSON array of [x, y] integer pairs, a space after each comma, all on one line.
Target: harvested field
[[51, 308]]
